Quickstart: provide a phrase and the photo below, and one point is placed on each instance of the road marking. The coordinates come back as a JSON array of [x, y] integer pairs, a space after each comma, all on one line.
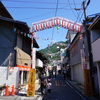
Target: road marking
[[76, 91], [57, 83]]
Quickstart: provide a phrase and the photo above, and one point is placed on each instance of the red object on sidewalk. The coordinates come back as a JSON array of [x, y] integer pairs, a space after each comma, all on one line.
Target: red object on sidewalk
[[7, 91], [13, 90]]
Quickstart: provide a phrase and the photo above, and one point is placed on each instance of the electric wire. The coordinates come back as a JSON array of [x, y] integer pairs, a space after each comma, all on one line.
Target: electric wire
[[55, 15], [79, 18], [72, 9], [75, 7], [36, 2], [86, 8], [36, 8]]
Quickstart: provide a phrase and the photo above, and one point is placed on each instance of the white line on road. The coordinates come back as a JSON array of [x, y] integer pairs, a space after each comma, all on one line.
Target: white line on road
[[76, 91]]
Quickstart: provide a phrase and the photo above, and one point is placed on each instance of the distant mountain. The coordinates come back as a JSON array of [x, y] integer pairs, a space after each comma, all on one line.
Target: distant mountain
[[52, 52]]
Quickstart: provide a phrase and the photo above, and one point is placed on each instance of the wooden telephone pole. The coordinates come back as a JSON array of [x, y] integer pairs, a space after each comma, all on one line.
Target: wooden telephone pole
[[88, 80]]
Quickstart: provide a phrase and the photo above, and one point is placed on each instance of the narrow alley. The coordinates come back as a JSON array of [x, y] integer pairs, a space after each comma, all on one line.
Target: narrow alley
[[61, 90]]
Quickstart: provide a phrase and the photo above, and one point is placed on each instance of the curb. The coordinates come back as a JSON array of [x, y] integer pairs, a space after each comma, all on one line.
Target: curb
[[80, 90]]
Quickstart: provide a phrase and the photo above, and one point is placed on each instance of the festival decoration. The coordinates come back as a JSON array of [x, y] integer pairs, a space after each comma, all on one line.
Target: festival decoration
[[57, 28], [56, 22], [32, 35]]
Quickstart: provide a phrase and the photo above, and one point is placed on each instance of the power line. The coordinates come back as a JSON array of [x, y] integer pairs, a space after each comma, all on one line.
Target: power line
[[85, 8], [36, 2], [79, 18], [36, 8], [56, 8], [45, 14], [75, 7], [72, 9], [55, 15]]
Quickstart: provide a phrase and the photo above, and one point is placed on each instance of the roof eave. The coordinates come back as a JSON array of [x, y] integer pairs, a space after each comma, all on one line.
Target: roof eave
[[94, 22]]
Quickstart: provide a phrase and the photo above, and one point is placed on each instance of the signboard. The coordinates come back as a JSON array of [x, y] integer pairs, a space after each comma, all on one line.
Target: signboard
[[87, 83], [31, 83], [83, 59]]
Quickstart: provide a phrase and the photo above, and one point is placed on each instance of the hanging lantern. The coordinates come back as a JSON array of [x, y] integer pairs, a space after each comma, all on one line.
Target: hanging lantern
[[79, 29], [57, 28], [57, 21], [68, 25], [47, 25], [37, 28], [73, 27], [52, 22], [42, 26]]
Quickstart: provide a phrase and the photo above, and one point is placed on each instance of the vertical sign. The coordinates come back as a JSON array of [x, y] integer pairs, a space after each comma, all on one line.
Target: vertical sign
[[87, 83], [83, 59], [31, 83]]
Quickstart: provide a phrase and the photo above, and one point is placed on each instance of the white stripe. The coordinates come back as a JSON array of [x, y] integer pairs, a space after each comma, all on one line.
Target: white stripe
[[76, 91]]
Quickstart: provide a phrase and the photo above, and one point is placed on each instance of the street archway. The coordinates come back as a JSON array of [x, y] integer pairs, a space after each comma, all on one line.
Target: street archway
[[56, 21]]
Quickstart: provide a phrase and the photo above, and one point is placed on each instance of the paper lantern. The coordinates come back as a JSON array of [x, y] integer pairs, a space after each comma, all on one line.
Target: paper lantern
[[57, 28], [47, 24], [63, 23], [57, 21], [68, 25], [42, 26], [37, 28], [52, 22]]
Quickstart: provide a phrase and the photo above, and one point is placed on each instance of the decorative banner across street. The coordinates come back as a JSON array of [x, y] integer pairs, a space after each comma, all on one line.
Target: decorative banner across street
[[31, 83], [56, 22]]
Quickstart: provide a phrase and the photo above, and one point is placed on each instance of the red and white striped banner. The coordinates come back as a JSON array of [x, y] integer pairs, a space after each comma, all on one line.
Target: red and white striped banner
[[56, 21]]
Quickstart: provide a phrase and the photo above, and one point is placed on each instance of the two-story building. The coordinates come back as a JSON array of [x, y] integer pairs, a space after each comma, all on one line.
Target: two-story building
[[95, 42], [15, 39], [79, 52]]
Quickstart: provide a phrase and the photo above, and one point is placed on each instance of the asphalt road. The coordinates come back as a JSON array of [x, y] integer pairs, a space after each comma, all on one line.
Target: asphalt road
[[61, 90]]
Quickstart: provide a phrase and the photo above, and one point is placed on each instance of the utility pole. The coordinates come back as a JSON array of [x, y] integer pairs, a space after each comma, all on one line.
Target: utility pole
[[88, 80]]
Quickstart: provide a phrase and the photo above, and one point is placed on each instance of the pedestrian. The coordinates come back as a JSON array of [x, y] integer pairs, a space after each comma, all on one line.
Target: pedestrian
[[43, 82], [50, 73], [49, 86], [64, 74]]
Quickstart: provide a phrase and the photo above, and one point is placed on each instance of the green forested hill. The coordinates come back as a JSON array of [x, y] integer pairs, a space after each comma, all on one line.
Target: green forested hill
[[52, 49]]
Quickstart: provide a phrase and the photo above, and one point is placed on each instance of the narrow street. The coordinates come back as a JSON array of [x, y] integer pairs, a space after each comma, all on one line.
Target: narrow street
[[62, 91]]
